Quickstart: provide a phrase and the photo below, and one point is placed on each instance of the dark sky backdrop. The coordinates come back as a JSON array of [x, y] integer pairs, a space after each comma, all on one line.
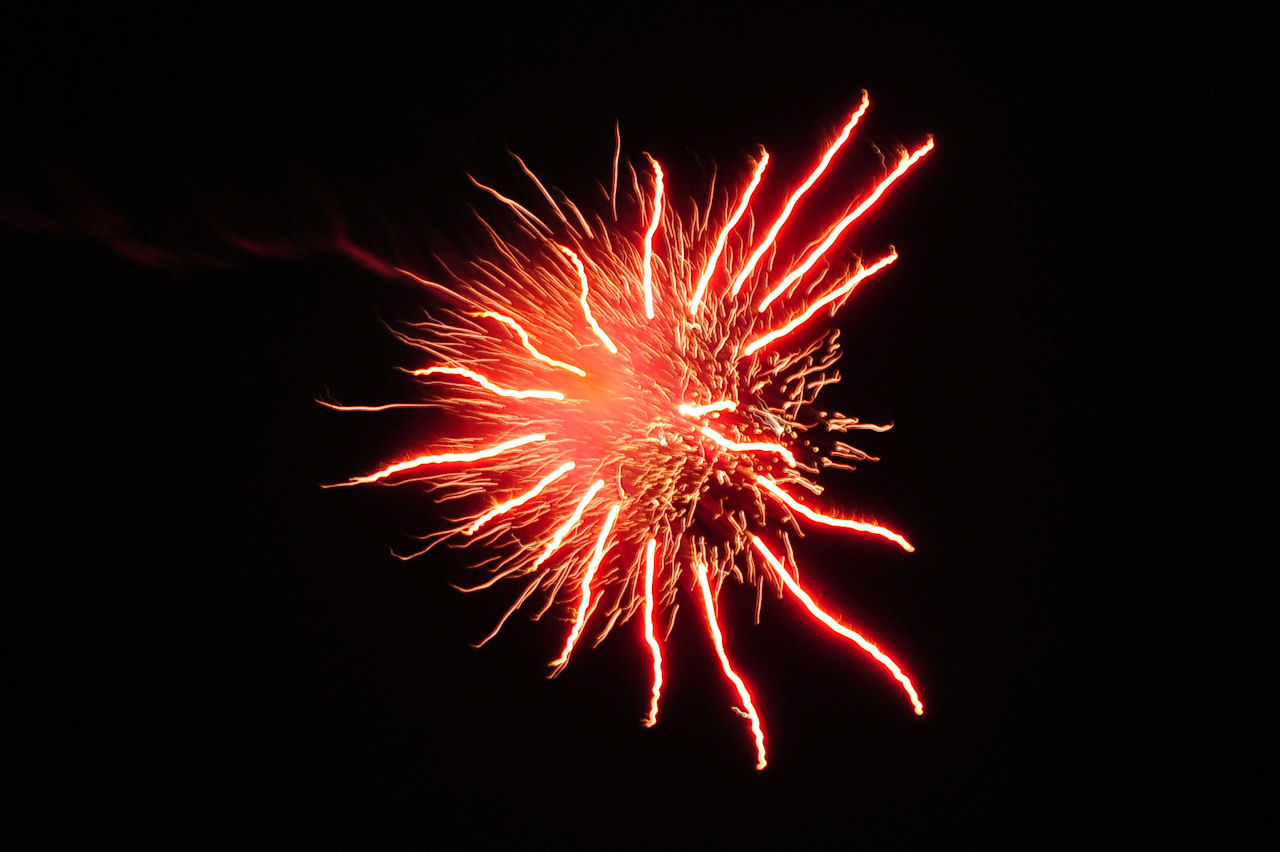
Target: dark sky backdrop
[[230, 651]]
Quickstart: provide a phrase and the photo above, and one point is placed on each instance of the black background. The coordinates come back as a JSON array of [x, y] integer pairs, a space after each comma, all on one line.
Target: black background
[[213, 648]]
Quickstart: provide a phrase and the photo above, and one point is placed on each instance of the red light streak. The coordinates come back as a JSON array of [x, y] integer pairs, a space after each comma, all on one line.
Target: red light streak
[[703, 410], [799, 193], [787, 580], [822, 248], [723, 239], [755, 446], [524, 340], [654, 221], [717, 639], [584, 604], [586, 309], [649, 638], [858, 526], [443, 458], [514, 502], [835, 295], [637, 421], [558, 538], [484, 382]]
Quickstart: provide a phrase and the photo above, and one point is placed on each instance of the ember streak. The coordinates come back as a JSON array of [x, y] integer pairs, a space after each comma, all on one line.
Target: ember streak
[[634, 401]]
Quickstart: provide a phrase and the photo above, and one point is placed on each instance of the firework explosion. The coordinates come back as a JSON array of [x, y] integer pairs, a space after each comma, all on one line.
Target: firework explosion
[[645, 401]]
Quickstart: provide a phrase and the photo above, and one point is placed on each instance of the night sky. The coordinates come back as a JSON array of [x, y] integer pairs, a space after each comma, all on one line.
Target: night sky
[[215, 649]]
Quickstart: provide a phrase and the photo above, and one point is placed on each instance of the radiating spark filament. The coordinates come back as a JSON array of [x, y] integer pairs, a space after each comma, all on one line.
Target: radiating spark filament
[[649, 637], [835, 295], [503, 508], [524, 340], [755, 446], [798, 194], [654, 220], [586, 309], [787, 580], [791, 502], [834, 233], [710, 267], [584, 603], [486, 384], [558, 538], [703, 410], [713, 627], [443, 458]]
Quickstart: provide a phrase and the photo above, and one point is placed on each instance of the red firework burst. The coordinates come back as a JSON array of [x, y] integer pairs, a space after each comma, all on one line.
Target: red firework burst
[[644, 397]]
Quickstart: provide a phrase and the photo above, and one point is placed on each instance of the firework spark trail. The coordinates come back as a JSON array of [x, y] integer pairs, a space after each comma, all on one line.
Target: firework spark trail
[[822, 248], [835, 295], [787, 580], [514, 502], [648, 463], [524, 340], [584, 605], [655, 219], [484, 382], [443, 458], [717, 639], [798, 194], [649, 638], [858, 526], [710, 266]]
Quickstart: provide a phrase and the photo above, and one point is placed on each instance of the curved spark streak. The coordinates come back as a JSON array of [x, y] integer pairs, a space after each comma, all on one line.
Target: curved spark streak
[[787, 580], [516, 207], [558, 538], [750, 447], [524, 340], [586, 309], [836, 294], [654, 221], [652, 718], [713, 627], [486, 384], [443, 458], [703, 410], [503, 508], [796, 196], [710, 268], [387, 407], [772, 487], [838, 229], [584, 604]]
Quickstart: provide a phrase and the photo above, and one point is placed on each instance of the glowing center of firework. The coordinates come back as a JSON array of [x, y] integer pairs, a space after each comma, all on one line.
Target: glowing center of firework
[[642, 391]]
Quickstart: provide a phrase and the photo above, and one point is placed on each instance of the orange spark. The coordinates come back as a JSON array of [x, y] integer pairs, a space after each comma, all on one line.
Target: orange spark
[[713, 627], [760, 446], [800, 191], [703, 410], [836, 294], [710, 267], [837, 627], [586, 309], [558, 538], [503, 508], [835, 232], [444, 458], [652, 718], [859, 526], [484, 382], [654, 221], [584, 602], [524, 340]]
